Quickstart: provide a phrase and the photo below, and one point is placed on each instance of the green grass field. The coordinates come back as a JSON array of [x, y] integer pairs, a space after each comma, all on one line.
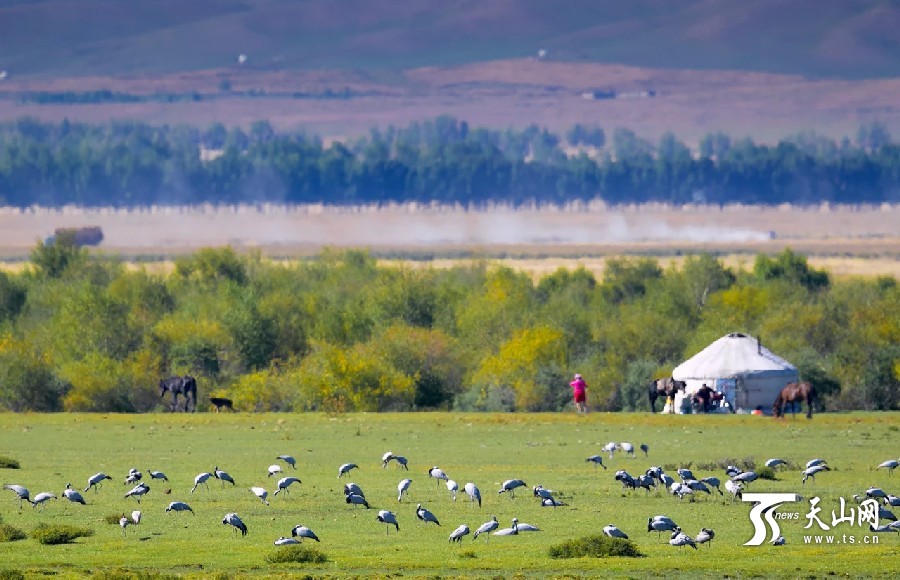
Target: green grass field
[[548, 449]]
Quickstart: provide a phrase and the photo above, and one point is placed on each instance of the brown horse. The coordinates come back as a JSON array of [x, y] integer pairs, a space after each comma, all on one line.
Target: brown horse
[[795, 393]]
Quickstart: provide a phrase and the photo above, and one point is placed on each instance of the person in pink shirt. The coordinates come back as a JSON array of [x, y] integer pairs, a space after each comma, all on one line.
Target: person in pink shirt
[[579, 390]]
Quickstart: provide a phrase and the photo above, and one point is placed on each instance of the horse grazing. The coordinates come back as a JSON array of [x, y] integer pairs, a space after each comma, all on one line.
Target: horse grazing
[[663, 388], [795, 393], [186, 385]]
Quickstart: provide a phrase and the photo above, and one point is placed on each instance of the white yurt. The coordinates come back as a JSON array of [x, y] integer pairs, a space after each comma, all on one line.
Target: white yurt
[[737, 365]]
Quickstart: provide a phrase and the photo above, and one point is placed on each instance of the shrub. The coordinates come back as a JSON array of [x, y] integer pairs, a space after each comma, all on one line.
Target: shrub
[[12, 575], [9, 533], [296, 554], [113, 518], [126, 574], [595, 547], [59, 533], [8, 463], [766, 473]]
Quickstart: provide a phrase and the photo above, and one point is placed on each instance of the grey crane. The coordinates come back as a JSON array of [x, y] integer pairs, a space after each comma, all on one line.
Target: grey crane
[[273, 469], [731, 471], [124, 522], [138, 491], [614, 532], [890, 465], [351, 487], [627, 448], [876, 492], [609, 448], [222, 476], [541, 492], [663, 524], [473, 492], [389, 518], [41, 499], [779, 541], [892, 500], [452, 487], [179, 506], [438, 474], [401, 462], [735, 488], [812, 470], [345, 468], [516, 529], [552, 502], [458, 533], [201, 478], [775, 462], [403, 487], [72, 495], [697, 486], [626, 479], [96, 481], [282, 541], [714, 482], [386, 458], [680, 539], [596, 460], [746, 477], [20, 491], [134, 476], [301, 531], [486, 528], [525, 527], [284, 483], [425, 515], [289, 460], [685, 473], [510, 486], [705, 536], [646, 481], [233, 520], [646, 449], [813, 462], [157, 475], [355, 499], [681, 490], [261, 493], [136, 517]]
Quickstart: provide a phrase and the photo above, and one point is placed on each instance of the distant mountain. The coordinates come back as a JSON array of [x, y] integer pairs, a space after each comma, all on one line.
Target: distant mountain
[[817, 38]]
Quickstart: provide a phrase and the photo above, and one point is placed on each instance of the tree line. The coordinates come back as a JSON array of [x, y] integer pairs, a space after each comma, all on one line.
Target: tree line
[[340, 332], [123, 164]]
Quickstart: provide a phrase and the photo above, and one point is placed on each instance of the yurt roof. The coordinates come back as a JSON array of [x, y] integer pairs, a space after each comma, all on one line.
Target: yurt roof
[[733, 355]]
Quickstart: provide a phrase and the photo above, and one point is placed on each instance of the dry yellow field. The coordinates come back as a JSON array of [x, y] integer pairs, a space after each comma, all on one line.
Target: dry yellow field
[[845, 240]]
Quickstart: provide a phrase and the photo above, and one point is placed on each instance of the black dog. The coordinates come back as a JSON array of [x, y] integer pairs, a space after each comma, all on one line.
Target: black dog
[[221, 402]]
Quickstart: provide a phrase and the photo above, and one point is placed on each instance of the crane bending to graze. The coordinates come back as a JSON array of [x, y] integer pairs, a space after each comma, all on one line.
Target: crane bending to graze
[[186, 385], [795, 393]]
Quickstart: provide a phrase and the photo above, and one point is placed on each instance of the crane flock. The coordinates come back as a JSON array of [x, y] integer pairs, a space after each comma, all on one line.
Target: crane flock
[[653, 479]]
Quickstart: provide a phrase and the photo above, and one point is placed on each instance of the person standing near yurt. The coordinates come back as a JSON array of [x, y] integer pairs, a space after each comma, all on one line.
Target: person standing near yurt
[[579, 391]]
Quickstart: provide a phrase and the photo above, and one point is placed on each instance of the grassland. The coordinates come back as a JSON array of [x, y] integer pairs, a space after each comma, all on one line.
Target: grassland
[[482, 448]]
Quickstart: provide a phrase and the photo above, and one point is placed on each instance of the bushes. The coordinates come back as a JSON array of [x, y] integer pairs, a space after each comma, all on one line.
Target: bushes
[[8, 463], [59, 533], [296, 555], [595, 547], [9, 533]]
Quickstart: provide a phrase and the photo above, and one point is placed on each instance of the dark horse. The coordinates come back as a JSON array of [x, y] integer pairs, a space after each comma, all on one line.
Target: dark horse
[[795, 393], [186, 385], [663, 388]]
